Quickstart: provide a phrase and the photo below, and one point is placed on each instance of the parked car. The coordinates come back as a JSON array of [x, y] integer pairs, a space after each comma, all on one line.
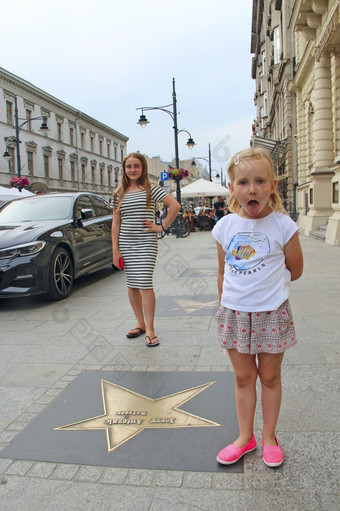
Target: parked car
[[47, 241]]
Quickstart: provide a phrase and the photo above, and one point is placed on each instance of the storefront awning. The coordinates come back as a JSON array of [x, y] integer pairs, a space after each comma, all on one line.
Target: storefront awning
[[274, 147]]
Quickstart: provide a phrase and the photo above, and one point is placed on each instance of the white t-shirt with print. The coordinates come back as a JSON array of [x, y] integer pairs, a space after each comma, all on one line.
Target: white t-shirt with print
[[255, 276]]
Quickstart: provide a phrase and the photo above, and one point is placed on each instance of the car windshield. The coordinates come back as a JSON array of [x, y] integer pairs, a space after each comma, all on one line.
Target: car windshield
[[39, 208]]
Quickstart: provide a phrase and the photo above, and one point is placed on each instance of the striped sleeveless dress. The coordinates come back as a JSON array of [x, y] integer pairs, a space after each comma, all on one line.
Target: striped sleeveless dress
[[138, 247]]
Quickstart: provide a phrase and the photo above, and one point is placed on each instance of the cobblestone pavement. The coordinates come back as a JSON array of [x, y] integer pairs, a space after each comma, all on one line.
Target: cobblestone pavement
[[45, 346]]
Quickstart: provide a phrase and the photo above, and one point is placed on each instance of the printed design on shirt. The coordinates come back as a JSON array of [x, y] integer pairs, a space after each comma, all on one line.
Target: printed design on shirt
[[247, 250]]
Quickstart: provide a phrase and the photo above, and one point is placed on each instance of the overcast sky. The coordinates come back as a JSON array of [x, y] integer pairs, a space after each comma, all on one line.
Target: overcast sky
[[108, 57]]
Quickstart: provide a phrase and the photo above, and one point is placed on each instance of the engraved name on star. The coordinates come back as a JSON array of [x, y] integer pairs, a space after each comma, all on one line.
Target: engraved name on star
[[127, 413]]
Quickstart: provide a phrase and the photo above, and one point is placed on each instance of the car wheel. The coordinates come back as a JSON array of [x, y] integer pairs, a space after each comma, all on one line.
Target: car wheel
[[60, 275]]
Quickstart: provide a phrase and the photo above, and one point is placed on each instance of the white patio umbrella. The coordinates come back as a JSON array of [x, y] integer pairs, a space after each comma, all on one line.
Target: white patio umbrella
[[203, 188], [8, 194]]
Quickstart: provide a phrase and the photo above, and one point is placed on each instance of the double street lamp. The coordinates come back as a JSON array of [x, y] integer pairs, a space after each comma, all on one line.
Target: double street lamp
[[18, 127], [173, 114], [207, 159]]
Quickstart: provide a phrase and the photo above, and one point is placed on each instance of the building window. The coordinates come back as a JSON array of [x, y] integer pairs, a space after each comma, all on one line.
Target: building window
[[265, 104], [59, 130], [71, 136], [83, 172], [73, 170], [28, 118], [260, 85], [277, 45], [262, 116], [61, 168], [311, 198], [100, 147], [264, 71], [335, 192], [11, 161], [115, 152], [93, 174], [9, 111], [102, 174], [121, 154], [82, 139], [46, 165], [116, 177], [30, 165], [108, 150], [109, 177], [92, 143]]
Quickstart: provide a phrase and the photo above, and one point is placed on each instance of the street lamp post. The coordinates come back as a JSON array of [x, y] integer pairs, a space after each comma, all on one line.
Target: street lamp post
[[18, 127], [207, 159], [173, 114]]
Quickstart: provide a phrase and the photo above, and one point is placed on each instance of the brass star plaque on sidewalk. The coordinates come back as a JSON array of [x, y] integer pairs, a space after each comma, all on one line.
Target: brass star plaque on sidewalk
[[161, 420], [127, 413], [187, 305]]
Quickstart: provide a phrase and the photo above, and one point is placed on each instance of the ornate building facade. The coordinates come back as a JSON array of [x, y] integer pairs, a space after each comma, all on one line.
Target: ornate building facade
[[76, 153], [296, 65], [316, 85], [272, 70]]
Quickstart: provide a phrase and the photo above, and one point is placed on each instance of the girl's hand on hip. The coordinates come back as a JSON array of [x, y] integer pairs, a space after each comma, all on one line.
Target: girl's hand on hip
[[151, 226]]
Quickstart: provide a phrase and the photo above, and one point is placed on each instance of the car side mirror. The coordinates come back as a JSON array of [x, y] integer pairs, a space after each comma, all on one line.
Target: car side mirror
[[86, 213]]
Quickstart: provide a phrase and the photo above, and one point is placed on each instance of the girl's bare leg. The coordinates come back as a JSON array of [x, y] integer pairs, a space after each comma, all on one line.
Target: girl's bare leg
[[245, 370], [135, 298], [149, 306], [269, 370]]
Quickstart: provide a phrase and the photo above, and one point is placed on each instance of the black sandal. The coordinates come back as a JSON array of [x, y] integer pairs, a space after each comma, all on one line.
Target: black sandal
[[151, 344], [140, 332]]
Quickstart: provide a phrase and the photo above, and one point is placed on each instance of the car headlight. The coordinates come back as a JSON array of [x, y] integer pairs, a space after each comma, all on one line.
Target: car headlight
[[22, 250]]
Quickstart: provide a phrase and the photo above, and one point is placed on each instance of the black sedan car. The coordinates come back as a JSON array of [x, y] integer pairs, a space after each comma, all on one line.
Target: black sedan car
[[47, 241]]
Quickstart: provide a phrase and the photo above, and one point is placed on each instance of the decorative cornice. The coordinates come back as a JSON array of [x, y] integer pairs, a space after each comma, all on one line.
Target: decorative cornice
[[50, 101]]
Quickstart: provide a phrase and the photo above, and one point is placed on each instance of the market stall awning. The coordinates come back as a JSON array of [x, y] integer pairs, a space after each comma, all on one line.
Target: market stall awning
[[203, 188]]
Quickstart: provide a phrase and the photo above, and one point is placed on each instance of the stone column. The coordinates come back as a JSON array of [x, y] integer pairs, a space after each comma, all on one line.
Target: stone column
[[336, 102], [333, 227], [322, 121], [302, 151], [321, 175]]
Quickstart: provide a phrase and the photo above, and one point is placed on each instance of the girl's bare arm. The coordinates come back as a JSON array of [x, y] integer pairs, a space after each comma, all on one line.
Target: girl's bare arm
[[220, 271], [173, 209], [294, 257], [115, 228]]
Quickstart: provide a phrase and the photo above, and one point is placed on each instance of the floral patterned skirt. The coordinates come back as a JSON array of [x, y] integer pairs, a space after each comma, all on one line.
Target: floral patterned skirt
[[256, 332]]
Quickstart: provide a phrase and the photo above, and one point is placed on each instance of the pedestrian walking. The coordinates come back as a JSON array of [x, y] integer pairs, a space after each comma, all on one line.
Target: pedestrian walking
[[219, 209], [134, 239], [259, 254]]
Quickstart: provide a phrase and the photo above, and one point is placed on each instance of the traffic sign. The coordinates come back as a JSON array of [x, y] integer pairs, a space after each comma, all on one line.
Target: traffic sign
[[164, 176]]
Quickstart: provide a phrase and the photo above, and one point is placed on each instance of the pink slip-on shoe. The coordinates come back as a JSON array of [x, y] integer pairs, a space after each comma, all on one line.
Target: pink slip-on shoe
[[231, 453], [272, 454]]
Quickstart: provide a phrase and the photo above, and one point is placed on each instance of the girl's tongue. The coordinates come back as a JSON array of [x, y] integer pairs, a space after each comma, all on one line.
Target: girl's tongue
[[253, 208]]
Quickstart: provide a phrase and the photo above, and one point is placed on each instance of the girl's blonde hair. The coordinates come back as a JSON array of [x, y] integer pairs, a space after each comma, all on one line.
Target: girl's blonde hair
[[254, 153], [143, 182]]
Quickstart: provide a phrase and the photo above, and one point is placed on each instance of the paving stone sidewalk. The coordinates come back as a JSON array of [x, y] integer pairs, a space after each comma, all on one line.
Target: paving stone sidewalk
[[45, 346]]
